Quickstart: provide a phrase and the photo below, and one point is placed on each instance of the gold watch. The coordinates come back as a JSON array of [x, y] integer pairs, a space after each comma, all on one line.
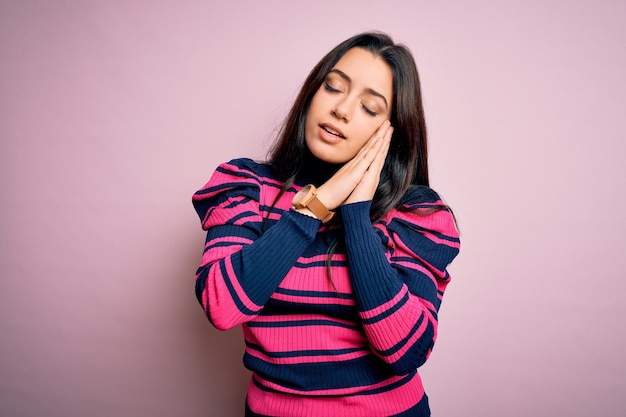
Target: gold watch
[[307, 198]]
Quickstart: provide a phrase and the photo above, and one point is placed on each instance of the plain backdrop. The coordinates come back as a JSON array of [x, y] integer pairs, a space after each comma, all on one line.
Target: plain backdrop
[[112, 113]]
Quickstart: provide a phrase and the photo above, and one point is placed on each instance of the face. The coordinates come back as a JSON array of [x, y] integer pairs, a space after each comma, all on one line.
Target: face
[[350, 105]]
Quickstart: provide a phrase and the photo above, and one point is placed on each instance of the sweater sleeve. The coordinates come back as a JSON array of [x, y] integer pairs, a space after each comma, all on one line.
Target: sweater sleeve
[[242, 265], [398, 273]]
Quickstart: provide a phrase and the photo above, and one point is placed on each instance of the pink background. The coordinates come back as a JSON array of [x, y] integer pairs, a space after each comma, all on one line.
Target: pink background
[[112, 113]]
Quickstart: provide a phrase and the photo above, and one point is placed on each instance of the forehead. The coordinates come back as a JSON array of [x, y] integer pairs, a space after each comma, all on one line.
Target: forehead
[[367, 71]]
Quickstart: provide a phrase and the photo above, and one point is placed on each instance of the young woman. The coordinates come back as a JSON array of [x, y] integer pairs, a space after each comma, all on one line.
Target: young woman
[[333, 254]]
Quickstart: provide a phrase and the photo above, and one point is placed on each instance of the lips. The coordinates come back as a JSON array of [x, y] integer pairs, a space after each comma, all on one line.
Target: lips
[[333, 130]]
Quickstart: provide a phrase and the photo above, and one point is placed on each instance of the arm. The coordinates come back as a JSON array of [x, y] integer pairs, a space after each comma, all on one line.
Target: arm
[[241, 265], [398, 274]]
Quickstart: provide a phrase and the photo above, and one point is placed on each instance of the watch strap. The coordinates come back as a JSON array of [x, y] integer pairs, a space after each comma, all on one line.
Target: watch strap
[[307, 198], [319, 209]]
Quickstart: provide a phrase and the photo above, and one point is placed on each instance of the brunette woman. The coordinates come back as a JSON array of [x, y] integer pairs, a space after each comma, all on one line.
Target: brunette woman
[[332, 255]]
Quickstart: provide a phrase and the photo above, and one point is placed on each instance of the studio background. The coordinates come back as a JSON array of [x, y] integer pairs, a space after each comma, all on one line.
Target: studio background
[[112, 113]]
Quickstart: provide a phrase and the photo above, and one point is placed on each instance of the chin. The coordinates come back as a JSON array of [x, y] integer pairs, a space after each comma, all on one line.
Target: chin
[[329, 156]]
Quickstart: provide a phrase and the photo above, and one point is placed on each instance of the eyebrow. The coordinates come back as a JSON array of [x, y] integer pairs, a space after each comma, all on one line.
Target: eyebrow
[[368, 90]]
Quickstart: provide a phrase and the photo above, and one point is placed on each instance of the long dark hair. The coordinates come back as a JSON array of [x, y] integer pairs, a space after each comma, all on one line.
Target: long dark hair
[[407, 159]]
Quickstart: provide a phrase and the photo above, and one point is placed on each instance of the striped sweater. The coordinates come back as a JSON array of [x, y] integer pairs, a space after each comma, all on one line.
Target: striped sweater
[[344, 344]]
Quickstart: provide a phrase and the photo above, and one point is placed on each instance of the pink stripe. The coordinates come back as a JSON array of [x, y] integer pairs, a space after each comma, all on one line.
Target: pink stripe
[[300, 337], [439, 221], [218, 253], [313, 300], [322, 258], [221, 307], [309, 359], [299, 274], [417, 267], [383, 339], [409, 344], [425, 303], [275, 216], [412, 341], [221, 215], [300, 317], [387, 333], [228, 239], [217, 298], [247, 172], [347, 403], [238, 288], [441, 241]]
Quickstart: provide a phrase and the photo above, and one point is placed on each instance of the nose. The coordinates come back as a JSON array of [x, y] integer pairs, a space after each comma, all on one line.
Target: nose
[[342, 111]]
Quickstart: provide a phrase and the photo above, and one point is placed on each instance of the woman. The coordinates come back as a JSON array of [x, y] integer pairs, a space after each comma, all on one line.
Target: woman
[[333, 254]]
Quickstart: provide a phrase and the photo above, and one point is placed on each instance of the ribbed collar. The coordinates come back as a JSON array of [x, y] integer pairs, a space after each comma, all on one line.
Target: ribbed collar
[[316, 171]]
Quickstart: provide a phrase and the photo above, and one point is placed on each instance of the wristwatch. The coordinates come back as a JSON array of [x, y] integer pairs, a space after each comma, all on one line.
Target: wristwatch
[[307, 198]]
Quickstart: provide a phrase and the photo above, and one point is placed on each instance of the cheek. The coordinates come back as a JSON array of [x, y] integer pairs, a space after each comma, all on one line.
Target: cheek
[[317, 102], [367, 130]]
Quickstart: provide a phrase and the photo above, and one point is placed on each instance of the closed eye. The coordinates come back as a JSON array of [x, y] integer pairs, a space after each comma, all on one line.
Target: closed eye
[[369, 111], [331, 89]]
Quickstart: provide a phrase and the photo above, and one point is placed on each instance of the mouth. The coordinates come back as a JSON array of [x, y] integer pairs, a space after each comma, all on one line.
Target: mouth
[[332, 130]]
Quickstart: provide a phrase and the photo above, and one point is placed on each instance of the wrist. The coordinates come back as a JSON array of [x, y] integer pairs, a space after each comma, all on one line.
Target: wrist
[[306, 200], [305, 211]]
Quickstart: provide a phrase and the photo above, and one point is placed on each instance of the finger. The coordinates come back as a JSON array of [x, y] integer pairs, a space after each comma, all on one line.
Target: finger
[[346, 179], [376, 142], [350, 174], [380, 133], [379, 161]]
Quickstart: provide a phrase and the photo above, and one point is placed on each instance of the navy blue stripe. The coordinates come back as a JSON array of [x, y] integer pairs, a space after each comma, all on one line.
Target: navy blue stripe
[[257, 178], [436, 254], [359, 372], [406, 259], [235, 203], [242, 215], [402, 343], [389, 312], [201, 276], [416, 355], [231, 231], [240, 185], [372, 391], [319, 263], [299, 353], [389, 387], [302, 323], [321, 294], [421, 409], [222, 244], [266, 208], [231, 289], [282, 308], [242, 172], [409, 227]]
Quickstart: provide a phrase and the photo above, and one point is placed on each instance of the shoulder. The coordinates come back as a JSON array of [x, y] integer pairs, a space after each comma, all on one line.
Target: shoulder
[[422, 209], [245, 168], [238, 173], [420, 196], [233, 189], [423, 225]]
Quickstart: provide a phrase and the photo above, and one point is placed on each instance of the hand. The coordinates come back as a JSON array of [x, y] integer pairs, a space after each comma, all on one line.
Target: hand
[[358, 178], [366, 188]]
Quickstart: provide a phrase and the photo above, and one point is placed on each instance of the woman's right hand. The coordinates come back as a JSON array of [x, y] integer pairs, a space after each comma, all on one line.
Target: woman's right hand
[[338, 188]]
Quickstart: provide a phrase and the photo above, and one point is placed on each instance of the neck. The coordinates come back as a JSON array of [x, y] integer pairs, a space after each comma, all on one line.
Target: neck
[[315, 171]]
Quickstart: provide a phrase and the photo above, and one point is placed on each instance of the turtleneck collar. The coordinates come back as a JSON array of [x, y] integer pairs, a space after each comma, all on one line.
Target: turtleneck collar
[[315, 171]]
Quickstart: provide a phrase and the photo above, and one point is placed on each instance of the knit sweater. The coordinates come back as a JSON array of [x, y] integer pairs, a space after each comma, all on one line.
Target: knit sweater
[[324, 337]]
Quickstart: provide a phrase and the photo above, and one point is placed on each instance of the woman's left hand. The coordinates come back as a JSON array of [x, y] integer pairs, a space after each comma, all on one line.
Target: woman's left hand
[[366, 188]]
